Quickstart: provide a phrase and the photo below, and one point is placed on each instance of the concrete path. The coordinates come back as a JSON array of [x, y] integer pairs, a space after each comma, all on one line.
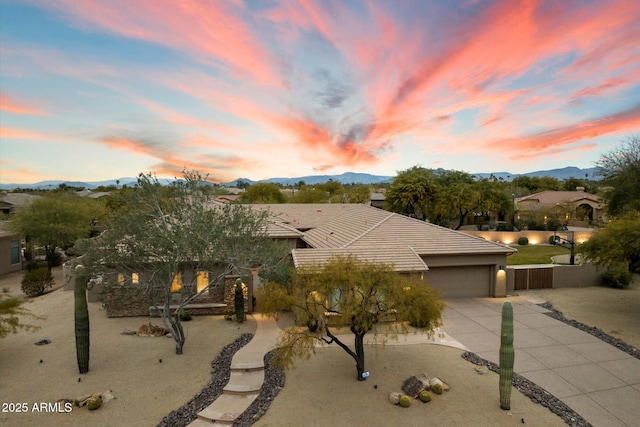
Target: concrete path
[[594, 378], [247, 376]]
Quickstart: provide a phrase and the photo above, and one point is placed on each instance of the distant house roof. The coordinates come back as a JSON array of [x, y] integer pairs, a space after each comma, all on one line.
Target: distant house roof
[[373, 235], [555, 197], [20, 200]]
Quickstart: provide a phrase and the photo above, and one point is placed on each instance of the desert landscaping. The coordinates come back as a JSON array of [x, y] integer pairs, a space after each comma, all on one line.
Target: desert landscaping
[[148, 380]]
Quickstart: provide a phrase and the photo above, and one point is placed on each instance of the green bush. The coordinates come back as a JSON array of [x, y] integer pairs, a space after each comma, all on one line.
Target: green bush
[[504, 226], [554, 240], [56, 259], [32, 265], [617, 277], [523, 241], [35, 282], [554, 224]]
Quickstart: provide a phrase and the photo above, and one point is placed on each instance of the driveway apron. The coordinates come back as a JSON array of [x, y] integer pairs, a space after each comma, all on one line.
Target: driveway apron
[[595, 379]]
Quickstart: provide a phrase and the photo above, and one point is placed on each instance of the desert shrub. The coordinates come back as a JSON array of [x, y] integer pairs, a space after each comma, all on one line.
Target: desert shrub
[[32, 265], [523, 241], [554, 240], [616, 277], [55, 258], [504, 226], [35, 282]]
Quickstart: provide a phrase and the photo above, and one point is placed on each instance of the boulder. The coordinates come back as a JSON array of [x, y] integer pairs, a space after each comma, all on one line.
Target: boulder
[[415, 384]]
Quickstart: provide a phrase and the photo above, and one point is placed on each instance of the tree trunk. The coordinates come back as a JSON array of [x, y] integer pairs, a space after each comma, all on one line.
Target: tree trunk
[[359, 344], [173, 325]]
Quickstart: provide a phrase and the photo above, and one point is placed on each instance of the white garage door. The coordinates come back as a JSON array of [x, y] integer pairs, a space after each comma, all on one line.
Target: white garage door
[[459, 282]]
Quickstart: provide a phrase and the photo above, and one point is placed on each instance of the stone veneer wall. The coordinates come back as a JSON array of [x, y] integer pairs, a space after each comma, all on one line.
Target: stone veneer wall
[[121, 303]]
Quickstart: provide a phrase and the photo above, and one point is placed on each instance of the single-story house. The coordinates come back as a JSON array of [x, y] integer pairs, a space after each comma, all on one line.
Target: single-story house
[[10, 250], [571, 205], [457, 264]]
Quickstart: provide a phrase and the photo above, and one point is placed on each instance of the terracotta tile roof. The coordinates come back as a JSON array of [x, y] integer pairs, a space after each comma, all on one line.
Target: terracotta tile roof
[[347, 226], [403, 258], [554, 197]]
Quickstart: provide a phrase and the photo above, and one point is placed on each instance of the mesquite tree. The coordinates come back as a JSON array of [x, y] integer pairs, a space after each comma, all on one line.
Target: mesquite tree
[[352, 294], [81, 320], [168, 235]]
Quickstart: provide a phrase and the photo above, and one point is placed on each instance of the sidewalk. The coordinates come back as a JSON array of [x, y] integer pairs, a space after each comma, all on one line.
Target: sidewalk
[[594, 378]]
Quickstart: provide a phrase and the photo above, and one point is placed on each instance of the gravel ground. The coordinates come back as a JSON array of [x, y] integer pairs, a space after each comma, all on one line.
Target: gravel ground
[[275, 381]]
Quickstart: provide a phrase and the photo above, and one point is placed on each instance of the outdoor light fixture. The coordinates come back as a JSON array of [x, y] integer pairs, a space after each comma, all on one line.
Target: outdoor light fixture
[[501, 268]]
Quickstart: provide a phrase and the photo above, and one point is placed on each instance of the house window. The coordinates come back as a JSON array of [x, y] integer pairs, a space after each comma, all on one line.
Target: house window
[[134, 278], [120, 279], [15, 252], [202, 281], [176, 284]]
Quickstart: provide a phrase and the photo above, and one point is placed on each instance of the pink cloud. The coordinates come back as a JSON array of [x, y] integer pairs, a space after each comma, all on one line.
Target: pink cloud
[[554, 139], [10, 105], [211, 32], [170, 163], [13, 133]]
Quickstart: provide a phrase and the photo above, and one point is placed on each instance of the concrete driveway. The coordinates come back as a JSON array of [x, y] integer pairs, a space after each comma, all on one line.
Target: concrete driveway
[[594, 378]]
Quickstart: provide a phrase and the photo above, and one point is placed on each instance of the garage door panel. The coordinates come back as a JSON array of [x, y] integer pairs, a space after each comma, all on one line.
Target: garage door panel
[[460, 282]]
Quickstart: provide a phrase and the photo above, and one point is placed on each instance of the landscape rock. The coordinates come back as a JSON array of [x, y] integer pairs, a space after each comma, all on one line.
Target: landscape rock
[[394, 397], [149, 330], [415, 384]]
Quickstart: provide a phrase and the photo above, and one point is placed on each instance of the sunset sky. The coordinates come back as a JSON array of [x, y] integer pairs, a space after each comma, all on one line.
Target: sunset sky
[[103, 89]]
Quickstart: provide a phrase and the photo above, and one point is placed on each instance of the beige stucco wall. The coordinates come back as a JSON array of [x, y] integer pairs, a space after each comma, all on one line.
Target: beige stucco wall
[[5, 255], [535, 237], [564, 276]]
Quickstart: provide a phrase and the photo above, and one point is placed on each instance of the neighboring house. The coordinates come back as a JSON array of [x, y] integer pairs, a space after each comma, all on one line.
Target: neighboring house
[[568, 205], [457, 264], [377, 200], [12, 202], [10, 250]]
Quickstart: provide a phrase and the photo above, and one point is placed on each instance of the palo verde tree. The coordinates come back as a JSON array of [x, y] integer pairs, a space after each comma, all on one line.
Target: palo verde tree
[[345, 293], [173, 245], [57, 220], [11, 314]]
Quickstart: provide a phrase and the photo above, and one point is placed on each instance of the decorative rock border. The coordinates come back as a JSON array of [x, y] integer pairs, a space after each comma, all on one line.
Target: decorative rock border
[[536, 393], [596, 332], [221, 372]]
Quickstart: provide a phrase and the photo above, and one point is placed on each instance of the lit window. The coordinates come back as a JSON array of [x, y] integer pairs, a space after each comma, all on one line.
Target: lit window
[[202, 281], [176, 285], [134, 278], [120, 279]]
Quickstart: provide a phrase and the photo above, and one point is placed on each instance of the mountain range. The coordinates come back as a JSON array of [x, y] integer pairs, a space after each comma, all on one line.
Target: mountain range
[[345, 178]]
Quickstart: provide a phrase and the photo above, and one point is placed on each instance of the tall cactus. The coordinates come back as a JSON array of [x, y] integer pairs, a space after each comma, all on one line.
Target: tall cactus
[[82, 320], [506, 355], [239, 301]]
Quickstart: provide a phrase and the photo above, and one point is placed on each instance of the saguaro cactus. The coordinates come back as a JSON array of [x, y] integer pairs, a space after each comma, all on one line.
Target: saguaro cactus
[[239, 301], [82, 320], [506, 355]]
